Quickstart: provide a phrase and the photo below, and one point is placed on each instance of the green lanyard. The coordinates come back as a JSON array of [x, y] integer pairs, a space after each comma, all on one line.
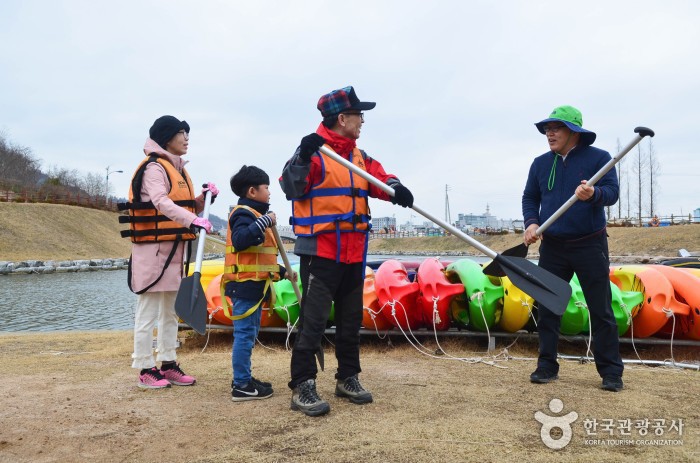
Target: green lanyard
[[552, 173]]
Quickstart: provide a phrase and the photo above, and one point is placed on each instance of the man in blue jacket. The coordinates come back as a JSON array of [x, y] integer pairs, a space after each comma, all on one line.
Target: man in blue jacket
[[577, 242]]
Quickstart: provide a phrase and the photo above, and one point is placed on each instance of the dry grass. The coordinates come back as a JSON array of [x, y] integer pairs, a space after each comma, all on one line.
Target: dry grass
[[651, 242], [73, 397], [60, 232]]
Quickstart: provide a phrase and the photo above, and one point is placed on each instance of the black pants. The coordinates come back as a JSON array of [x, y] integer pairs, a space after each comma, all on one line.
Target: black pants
[[588, 258], [325, 281]]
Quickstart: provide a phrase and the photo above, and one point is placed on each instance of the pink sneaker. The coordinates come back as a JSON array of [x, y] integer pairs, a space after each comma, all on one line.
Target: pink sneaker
[[176, 376], [152, 379]]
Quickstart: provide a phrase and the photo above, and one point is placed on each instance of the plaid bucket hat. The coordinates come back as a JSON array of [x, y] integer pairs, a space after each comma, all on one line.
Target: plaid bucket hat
[[341, 100], [572, 118]]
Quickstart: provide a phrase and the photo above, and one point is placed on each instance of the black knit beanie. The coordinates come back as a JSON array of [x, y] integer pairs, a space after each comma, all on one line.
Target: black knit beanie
[[165, 128], [246, 177]]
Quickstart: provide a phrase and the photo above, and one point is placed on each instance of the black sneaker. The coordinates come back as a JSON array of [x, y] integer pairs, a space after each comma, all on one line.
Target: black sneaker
[[260, 383], [250, 391], [612, 383], [353, 390], [306, 399], [541, 376]]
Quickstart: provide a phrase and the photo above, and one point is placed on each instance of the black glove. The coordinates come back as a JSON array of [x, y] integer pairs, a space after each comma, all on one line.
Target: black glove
[[402, 196], [309, 145]]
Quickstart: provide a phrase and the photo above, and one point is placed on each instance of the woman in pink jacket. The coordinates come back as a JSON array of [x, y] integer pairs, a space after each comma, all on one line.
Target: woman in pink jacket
[[157, 259]]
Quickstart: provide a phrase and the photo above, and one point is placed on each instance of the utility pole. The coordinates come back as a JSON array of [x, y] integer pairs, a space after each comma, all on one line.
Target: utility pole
[[107, 183], [448, 217]]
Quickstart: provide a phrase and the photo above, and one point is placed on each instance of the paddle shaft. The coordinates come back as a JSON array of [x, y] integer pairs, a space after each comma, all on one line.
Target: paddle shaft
[[641, 133], [202, 235], [390, 191], [287, 265]]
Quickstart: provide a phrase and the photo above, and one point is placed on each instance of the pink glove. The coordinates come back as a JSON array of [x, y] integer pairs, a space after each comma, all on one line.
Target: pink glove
[[210, 187], [202, 223]]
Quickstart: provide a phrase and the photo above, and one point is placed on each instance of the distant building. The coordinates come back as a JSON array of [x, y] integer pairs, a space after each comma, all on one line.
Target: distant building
[[696, 215], [484, 221], [383, 223]]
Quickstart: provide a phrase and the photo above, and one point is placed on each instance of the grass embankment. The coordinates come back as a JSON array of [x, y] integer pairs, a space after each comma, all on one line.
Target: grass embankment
[[652, 242], [59, 232]]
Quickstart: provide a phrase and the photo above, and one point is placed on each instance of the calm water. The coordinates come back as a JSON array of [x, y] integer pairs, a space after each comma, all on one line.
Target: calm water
[[80, 301]]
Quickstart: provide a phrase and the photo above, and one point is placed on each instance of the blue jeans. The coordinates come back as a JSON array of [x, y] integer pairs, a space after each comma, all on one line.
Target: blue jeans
[[245, 331]]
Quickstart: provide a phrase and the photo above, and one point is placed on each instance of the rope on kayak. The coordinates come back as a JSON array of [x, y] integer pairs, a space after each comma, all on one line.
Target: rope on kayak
[[437, 320], [669, 314], [290, 327], [583, 305], [479, 296], [211, 315], [424, 350], [373, 315]]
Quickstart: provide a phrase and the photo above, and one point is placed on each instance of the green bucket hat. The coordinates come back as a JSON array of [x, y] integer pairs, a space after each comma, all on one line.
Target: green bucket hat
[[572, 118]]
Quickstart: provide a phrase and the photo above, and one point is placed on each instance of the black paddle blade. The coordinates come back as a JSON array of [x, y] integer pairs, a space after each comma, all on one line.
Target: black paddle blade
[[494, 268], [548, 290], [319, 357], [191, 303]]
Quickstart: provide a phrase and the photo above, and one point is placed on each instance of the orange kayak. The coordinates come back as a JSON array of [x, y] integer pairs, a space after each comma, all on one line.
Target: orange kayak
[[658, 297], [397, 295], [687, 289], [216, 312], [436, 294], [372, 318]]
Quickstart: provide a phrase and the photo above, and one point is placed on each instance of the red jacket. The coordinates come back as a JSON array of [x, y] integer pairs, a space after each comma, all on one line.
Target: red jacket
[[298, 178]]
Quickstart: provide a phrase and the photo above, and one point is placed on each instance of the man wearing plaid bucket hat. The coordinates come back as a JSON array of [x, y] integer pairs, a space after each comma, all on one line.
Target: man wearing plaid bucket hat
[[576, 243], [330, 215]]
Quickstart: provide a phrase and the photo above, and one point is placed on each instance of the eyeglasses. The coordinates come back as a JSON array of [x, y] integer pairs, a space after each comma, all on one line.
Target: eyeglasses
[[185, 134], [553, 128], [362, 115]]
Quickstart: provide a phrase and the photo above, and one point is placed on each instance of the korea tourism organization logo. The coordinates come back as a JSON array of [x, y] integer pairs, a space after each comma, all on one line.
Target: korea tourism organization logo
[[557, 431]]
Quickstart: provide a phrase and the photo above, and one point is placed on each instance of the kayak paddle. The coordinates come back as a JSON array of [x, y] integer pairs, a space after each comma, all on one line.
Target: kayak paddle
[[292, 273], [550, 291], [191, 302], [494, 269]]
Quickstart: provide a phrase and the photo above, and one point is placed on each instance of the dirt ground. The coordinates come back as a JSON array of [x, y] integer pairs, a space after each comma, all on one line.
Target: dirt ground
[[73, 397]]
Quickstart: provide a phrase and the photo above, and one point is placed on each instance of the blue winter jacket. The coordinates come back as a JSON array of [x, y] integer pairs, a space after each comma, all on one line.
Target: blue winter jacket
[[583, 217]]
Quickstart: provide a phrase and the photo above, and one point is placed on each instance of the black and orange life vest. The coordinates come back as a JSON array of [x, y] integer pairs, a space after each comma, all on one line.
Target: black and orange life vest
[[337, 204], [257, 263], [146, 223]]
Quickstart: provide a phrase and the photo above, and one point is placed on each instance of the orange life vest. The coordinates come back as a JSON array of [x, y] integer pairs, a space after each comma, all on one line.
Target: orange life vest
[[258, 263], [146, 223], [337, 204]]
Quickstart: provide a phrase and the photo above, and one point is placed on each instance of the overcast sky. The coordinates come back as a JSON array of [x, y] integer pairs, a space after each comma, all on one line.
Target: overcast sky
[[458, 86]]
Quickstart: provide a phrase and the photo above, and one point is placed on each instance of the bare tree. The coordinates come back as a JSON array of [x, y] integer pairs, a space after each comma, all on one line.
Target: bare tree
[[620, 176], [654, 168], [60, 176], [18, 164], [94, 184], [639, 169]]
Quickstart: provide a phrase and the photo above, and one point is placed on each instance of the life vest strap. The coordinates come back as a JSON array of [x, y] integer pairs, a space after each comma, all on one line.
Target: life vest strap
[[254, 250], [330, 218], [227, 308], [340, 191], [250, 268], [156, 233]]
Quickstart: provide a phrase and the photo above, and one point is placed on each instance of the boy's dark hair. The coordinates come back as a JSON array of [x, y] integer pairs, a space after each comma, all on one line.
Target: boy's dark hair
[[248, 176]]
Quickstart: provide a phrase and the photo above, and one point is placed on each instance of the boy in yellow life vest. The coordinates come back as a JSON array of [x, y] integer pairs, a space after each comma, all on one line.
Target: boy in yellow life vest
[[250, 268]]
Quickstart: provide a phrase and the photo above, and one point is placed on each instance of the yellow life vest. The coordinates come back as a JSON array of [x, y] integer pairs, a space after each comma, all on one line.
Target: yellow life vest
[[146, 223]]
